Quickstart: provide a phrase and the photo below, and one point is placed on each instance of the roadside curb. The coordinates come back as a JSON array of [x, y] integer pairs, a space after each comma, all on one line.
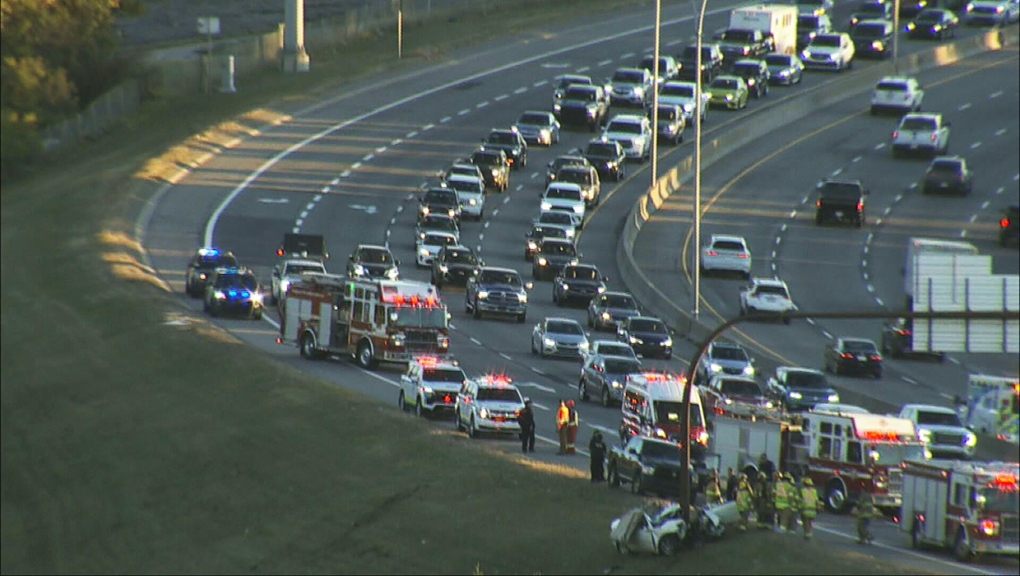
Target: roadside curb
[[758, 124]]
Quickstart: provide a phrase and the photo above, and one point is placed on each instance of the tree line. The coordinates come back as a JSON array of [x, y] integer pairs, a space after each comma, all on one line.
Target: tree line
[[56, 56]]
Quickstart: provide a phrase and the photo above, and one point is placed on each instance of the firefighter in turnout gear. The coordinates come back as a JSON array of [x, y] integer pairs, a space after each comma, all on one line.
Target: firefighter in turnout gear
[[562, 420], [713, 491], [764, 510], [781, 501], [865, 511], [794, 495], [809, 507], [745, 501]]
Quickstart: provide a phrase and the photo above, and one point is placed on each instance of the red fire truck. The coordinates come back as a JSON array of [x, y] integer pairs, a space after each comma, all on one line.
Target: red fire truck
[[372, 320], [970, 507]]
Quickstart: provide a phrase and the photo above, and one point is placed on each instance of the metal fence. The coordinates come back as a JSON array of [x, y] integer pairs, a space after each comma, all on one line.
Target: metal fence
[[97, 118]]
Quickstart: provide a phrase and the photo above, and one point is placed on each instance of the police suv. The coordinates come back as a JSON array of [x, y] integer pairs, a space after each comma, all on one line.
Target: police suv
[[430, 385], [489, 403]]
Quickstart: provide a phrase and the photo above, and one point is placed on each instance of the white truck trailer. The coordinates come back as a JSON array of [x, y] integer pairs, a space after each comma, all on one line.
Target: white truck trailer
[[776, 19], [918, 246]]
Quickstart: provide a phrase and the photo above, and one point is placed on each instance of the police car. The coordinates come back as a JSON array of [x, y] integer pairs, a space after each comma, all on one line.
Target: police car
[[430, 385], [201, 267], [233, 291], [489, 403]]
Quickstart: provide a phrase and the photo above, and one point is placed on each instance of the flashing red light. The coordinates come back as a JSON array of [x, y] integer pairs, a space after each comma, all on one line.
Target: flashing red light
[[878, 435], [1005, 482], [860, 205], [428, 361], [876, 358], [921, 517], [934, 137], [279, 251], [447, 399], [904, 332], [818, 203], [414, 300], [1004, 223], [398, 300]]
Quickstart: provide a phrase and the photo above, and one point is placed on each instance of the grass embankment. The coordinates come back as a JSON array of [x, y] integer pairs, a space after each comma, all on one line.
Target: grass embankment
[[134, 441]]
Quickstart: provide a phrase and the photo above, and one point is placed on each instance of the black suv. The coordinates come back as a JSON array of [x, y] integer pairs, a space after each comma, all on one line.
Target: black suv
[[454, 265], [559, 162], [497, 291], [737, 43], [873, 38], [578, 282], [584, 176], [711, 62], [551, 256], [201, 267], [583, 104], [840, 201], [439, 201], [538, 233], [608, 157], [512, 143], [755, 74], [495, 167], [1009, 226], [233, 291]]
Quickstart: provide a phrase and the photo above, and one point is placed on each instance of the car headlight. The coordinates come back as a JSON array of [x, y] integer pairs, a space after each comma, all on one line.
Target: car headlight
[[545, 206], [522, 297], [473, 201], [284, 284], [542, 261], [557, 106], [564, 285], [636, 340], [483, 294], [444, 268], [924, 434], [600, 289], [748, 370], [483, 413], [729, 97], [202, 276], [532, 245], [805, 54], [833, 398], [616, 384], [714, 367], [727, 401], [570, 232], [659, 432], [668, 342], [606, 316], [703, 437], [688, 108], [398, 339], [392, 273], [768, 404], [423, 251], [359, 269], [579, 209], [548, 341], [544, 134], [647, 470], [750, 81], [219, 295], [796, 395], [971, 440], [877, 45], [425, 210], [256, 297], [784, 73], [495, 173], [583, 346]]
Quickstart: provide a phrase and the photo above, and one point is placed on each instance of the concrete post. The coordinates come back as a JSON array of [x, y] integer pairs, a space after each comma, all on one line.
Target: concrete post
[[293, 57], [227, 83]]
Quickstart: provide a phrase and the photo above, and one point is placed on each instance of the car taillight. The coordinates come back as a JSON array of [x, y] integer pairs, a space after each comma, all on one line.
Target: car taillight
[[818, 203], [846, 355], [1004, 223], [904, 332], [712, 253], [896, 134], [876, 357], [860, 205], [744, 255], [933, 137]]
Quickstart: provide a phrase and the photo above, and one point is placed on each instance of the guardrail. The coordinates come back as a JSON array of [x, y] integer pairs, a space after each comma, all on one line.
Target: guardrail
[[760, 123]]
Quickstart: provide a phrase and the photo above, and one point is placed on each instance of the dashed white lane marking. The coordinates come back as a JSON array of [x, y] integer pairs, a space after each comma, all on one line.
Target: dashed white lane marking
[[299, 223], [336, 181], [674, 43], [604, 63], [380, 150], [773, 256], [356, 165], [912, 186], [1016, 177], [583, 69], [947, 396], [1000, 190], [879, 146], [478, 248], [887, 210], [400, 208], [317, 197], [871, 289], [864, 263], [963, 233], [878, 222], [857, 159], [475, 340], [783, 228], [486, 225], [537, 371], [534, 175], [411, 134], [826, 334], [368, 158], [464, 112], [995, 94], [393, 221], [325, 190], [984, 204], [506, 200], [428, 127], [501, 97], [626, 56], [793, 213], [869, 237], [537, 386], [805, 199], [779, 240], [953, 360], [482, 104], [964, 107], [481, 237], [540, 83], [445, 119], [975, 145], [880, 302], [388, 233], [521, 90], [908, 380], [774, 267], [1000, 131], [973, 217], [542, 407], [866, 248], [494, 213], [310, 205], [303, 214], [343, 174], [296, 230], [810, 321], [519, 187], [397, 142], [505, 356]]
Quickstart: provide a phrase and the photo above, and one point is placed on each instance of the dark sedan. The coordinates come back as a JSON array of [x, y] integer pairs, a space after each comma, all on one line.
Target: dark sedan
[[512, 143], [454, 265], [784, 69], [605, 377], [948, 174], [202, 265], [649, 337], [934, 24], [607, 157], [607, 310], [853, 356], [873, 38], [800, 388], [578, 282], [552, 255]]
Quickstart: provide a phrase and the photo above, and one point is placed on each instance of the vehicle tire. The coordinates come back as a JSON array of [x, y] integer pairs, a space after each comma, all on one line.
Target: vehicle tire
[[915, 536], [859, 223], [850, 65], [835, 497], [669, 545], [418, 410], [961, 551], [457, 422], [401, 402], [606, 400], [613, 477], [307, 347], [636, 485], [257, 315], [472, 429], [582, 390], [522, 317], [667, 356], [622, 548], [818, 220], [365, 357]]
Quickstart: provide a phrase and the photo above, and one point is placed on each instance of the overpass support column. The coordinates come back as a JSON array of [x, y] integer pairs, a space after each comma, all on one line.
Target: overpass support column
[[293, 57]]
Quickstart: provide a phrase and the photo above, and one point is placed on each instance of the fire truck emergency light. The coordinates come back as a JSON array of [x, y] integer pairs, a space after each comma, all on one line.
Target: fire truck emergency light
[[879, 435]]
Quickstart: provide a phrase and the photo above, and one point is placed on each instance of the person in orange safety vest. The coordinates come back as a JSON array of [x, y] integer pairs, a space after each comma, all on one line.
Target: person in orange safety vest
[[562, 420], [573, 421]]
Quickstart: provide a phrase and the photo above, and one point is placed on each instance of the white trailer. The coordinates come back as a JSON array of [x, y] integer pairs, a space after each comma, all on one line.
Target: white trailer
[[778, 20], [918, 246]]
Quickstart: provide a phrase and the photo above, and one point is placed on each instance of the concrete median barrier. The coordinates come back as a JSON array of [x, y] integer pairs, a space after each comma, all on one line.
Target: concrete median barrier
[[756, 125]]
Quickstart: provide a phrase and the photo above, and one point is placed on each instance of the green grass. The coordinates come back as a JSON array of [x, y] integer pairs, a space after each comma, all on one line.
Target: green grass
[[132, 442]]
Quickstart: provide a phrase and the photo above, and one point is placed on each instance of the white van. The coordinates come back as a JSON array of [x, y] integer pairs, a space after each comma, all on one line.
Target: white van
[[651, 406]]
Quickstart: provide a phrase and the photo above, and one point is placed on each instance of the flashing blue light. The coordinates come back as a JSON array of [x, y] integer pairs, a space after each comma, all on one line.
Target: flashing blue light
[[208, 252]]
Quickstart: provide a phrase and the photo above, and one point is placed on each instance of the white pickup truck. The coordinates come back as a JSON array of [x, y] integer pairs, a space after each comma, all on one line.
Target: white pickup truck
[[289, 270], [766, 296], [921, 133]]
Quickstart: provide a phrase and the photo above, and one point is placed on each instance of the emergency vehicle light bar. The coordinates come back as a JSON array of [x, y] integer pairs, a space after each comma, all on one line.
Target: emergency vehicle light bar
[[415, 301], [208, 252], [1004, 482], [878, 435], [499, 379]]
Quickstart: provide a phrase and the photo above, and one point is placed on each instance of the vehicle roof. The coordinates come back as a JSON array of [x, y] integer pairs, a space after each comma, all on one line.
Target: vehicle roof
[[548, 319], [746, 61], [672, 388], [557, 241], [573, 77], [303, 261], [616, 293], [727, 238], [839, 408], [582, 265], [768, 282], [872, 21], [855, 339], [930, 408], [371, 247], [789, 369], [681, 83], [646, 318], [563, 186], [464, 177], [443, 233], [925, 115], [498, 269], [627, 118], [724, 344]]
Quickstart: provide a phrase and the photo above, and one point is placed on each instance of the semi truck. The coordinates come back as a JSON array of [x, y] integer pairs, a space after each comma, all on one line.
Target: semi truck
[[776, 20], [915, 269]]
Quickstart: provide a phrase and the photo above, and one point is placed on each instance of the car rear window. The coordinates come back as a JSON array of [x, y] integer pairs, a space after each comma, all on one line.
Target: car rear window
[[841, 190], [776, 290], [442, 375], [728, 245], [740, 387], [945, 166], [920, 124], [892, 86], [534, 119], [862, 346]]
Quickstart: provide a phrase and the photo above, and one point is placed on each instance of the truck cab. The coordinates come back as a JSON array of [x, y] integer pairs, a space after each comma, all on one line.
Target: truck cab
[[651, 406]]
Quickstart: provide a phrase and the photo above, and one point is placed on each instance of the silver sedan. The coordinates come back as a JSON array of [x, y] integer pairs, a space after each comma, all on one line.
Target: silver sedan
[[559, 337], [539, 127], [784, 69]]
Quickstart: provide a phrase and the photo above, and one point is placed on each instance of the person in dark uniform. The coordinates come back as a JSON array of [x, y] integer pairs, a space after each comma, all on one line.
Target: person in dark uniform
[[732, 483], [597, 449], [527, 422], [767, 466]]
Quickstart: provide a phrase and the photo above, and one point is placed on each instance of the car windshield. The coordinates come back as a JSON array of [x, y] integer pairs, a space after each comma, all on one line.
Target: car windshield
[[724, 84], [574, 176], [892, 86], [660, 451], [581, 273], [614, 349], [562, 161], [216, 261], [669, 412], [929, 16], [563, 194], [558, 248], [460, 257], [840, 190], [859, 346], [729, 353], [500, 277], [294, 268], [920, 124], [582, 93], [534, 119], [502, 138], [439, 223], [652, 326], [798, 379], [237, 282], [767, 289], [375, 256], [628, 77], [500, 395], [778, 60], [667, 114], [807, 23], [895, 454], [728, 245], [939, 418], [745, 69], [442, 375], [737, 36], [485, 159], [826, 40], [946, 167], [554, 217], [568, 81], [418, 317], [624, 126], [601, 150], [619, 301], [678, 90], [869, 31], [1005, 500], [559, 327], [622, 366], [739, 388], [540, 232], [439, 240]]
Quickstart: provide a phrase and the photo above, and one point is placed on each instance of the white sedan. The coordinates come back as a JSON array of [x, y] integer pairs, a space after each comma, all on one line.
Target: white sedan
[[430, 245], [726, 253]]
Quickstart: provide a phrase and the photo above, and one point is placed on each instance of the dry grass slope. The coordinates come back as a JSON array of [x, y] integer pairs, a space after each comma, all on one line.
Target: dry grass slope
[[139, 438]]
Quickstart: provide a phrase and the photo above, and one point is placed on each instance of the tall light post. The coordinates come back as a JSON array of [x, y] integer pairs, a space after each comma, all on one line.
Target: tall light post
[[896, 38], [655, 95]]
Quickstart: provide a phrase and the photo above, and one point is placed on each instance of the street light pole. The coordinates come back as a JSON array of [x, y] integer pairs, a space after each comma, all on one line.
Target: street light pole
[[655, 94], [896, 38]]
